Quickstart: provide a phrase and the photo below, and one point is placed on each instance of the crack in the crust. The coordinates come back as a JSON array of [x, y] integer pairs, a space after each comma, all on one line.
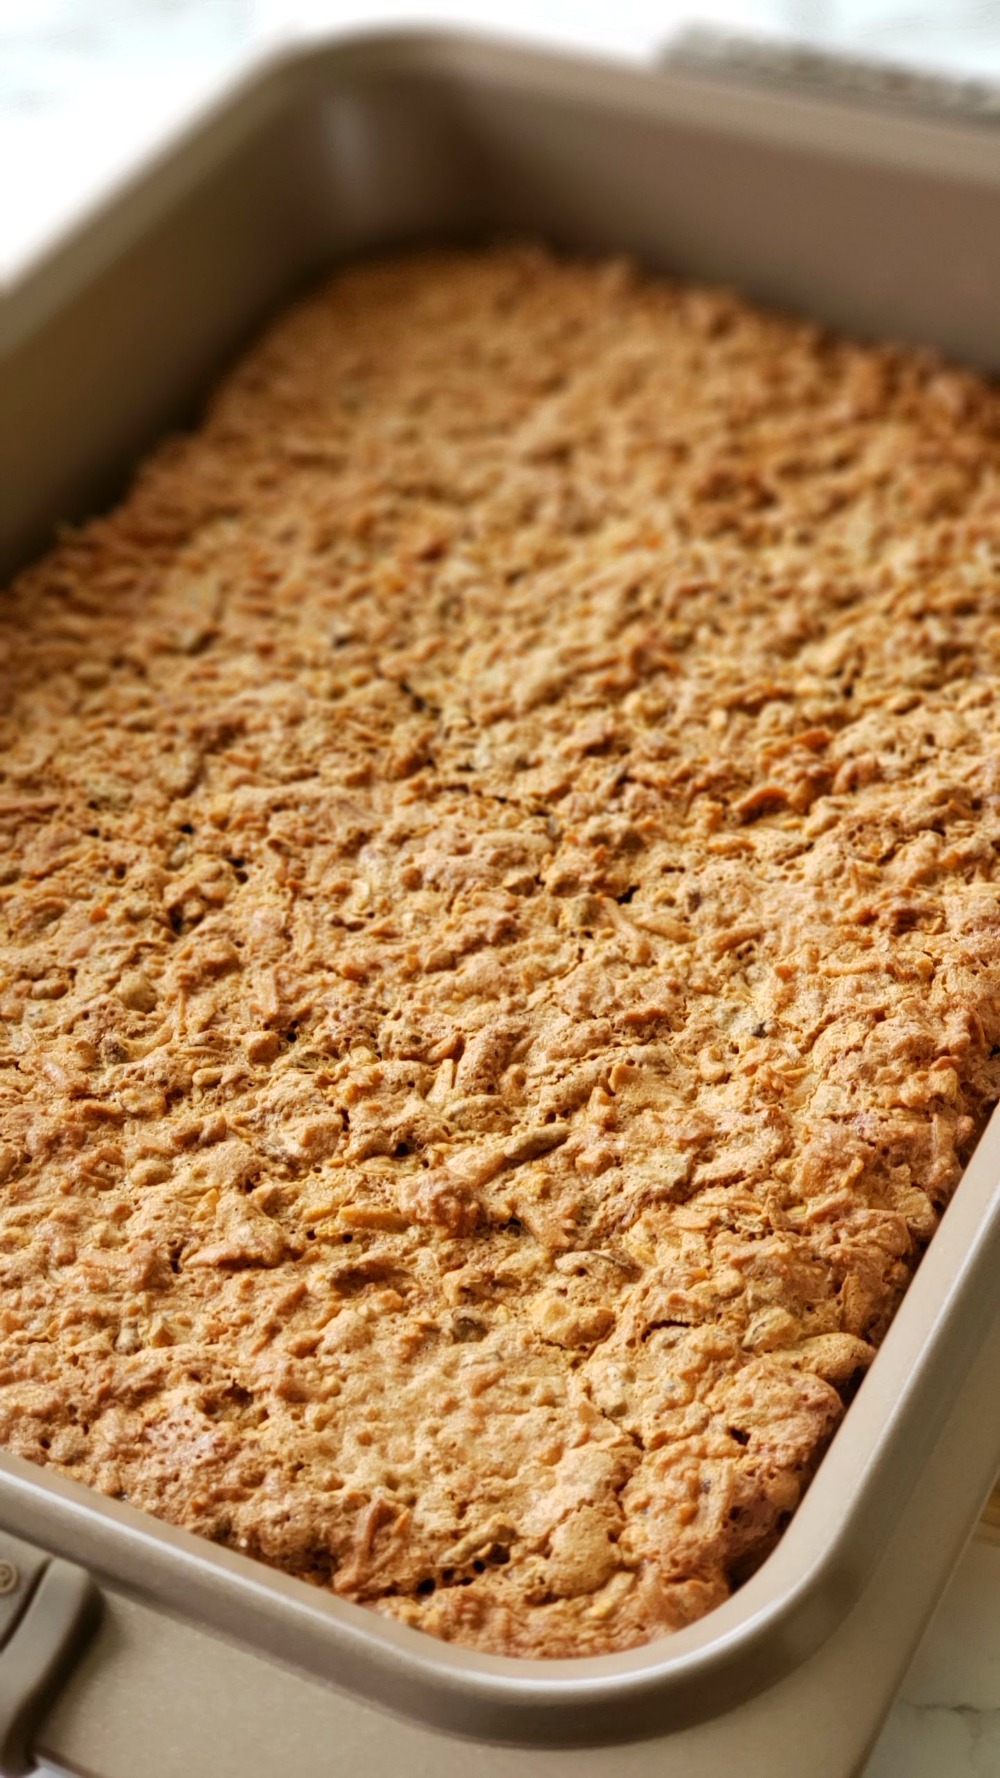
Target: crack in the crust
[[425, 706], [507, 802], [419, 702], [422, 705]]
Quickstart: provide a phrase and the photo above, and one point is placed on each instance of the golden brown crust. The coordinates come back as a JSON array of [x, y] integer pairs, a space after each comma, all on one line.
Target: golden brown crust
[[502, 951]]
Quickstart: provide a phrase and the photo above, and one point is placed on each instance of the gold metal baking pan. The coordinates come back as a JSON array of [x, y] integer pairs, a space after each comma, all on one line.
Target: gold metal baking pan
[[205, 1661]]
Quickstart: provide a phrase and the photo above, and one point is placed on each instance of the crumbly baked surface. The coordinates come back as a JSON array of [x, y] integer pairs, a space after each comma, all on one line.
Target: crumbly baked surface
[[502, 959]]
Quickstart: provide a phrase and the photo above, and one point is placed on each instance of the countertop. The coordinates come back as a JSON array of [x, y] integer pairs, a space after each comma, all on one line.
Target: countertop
[[946, 1721], [85, 86]]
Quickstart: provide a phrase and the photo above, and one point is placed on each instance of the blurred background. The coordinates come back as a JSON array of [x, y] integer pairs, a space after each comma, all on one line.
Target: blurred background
[[86, 86]]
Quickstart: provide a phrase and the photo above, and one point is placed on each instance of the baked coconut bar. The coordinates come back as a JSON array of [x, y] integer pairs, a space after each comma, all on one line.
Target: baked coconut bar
[[501, 958]]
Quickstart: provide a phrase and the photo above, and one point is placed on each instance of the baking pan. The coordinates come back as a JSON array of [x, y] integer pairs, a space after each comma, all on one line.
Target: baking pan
[[881, 225]]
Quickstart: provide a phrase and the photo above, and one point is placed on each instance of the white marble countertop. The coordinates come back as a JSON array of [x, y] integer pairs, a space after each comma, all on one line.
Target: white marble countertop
[[946, 1721], [86, 85]]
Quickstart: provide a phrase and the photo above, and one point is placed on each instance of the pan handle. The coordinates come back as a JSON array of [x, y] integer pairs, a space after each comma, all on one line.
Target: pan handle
[[47, 1608], [802, 68]]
